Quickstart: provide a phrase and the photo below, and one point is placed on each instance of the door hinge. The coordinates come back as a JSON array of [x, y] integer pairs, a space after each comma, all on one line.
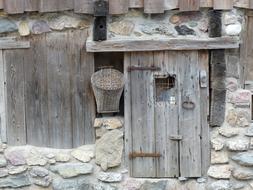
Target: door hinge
[[142, 154], [176, 137], [134, 68]]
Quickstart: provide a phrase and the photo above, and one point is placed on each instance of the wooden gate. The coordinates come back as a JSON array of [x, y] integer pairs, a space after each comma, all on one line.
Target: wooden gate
[[166, 113]]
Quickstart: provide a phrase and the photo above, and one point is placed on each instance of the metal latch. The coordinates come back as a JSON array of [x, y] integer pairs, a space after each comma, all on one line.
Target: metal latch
[[176, 137], [144, 155], [134, 68]]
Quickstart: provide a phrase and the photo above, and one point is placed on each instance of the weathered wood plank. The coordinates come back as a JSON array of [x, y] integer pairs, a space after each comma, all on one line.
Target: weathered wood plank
[[171, 4], [247, 49], [189, 114], [64, 5], [241, 3], [59, 92], [136, 3], [31, 5], [1, 4], [206, 3], [166, 118], [14, 61], [83, 6], [143, 139], [118, 6], [82, 103], [36, 92], [222, 5], [48, 5], [203, 64], [14, 6], [3, 110], [10, 43], [154, 6], [162, 44], [189, 5]]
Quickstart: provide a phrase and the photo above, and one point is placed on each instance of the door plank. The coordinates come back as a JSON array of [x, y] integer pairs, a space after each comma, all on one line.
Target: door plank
[[59, 102], [189, 119], [83, 6], [36, 92], [171, 4], [206, 3], [48, 5], [31, 5], [166, 119], [223, 5], [1, 4], [14, 6], [143, 139], [3, 114], [16, 134], [154, 6], [136, 3], [64, 5], [189, 5], [118, 6]]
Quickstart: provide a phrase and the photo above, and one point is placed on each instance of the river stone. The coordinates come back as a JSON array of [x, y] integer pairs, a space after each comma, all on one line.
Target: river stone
[[249, 131], [217, 144], [231, 84], [238, 145], [240, 97], [174, 19], [43, 182], [40, 26], [3, 161], [110, 177], [3, 172], [124, 27], [231, 117], [17, 170], [60, 22], [61, 157], [184, 30], [39, 172], [109, 149], [161, 185], [233, 29], [36, 160], [15, 157], [242, 174], [7, 25], [161, 29], [219, 157], [84, 153], [228, 131], [220, 185], [220, 171], [109, 122], [15, 181], [23, 28], [245, 158], [69, 170]]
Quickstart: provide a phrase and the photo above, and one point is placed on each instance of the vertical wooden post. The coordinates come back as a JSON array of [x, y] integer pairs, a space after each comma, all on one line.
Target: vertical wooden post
[[223, 5], [154, 6], [1, 4], [251, 4], [189, 5], [136, 3], [2, 100], [118, 6]]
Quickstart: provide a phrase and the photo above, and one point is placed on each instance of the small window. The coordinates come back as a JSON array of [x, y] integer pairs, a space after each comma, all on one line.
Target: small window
[[163, 85]]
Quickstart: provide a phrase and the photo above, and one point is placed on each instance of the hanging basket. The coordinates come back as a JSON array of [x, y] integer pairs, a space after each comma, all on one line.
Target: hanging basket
[[108, 85]]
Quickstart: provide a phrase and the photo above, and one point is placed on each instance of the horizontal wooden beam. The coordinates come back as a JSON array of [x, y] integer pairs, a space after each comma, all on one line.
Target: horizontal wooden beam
[[128, 45], [12, 43]]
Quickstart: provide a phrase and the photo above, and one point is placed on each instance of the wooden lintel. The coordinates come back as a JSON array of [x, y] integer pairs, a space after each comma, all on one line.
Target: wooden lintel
[[129, 45], [11, 43]]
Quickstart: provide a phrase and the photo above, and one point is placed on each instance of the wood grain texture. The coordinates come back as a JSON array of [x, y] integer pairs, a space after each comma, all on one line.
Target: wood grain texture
[[48, 5], [136, 3], [154, 6], [189, 119], [14, 6], [1, 4], [118, 6], [31, 5], [16, 133], [189, 5], [36, 92], [11, 43], [3, 115], [161, 44], [206, 3], [64, 5], [171, 4], [223, 5], [83, 6]]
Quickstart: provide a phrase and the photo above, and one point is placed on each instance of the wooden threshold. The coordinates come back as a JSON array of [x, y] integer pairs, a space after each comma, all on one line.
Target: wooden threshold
[[12, 43], [128, 45]]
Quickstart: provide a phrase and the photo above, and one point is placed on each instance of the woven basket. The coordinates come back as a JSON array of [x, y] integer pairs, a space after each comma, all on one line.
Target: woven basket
[[108, 85]]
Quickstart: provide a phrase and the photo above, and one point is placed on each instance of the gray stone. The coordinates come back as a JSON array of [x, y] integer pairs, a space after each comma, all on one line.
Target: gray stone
[[242, 174], [84, 153], [217, 144], [15, 181], [231, 84], [60, 22], [34, 159], [220, 171], [7, 25], [15, 157], [238, 145], [184, 30], [219, 157], [110, 177], [249, 131], [43, 182], [109, 149], [230, 18], [3, 172], [231, 117], [61, 157], [69, 170], [40, 26], [201, 180], [228, 132], [161, 185], [39, 172], [220, 185], [233, 29], [17, 170], [240, 97], [161, 29], [237, 186], [109, 122], [124, 27], [245, 158], [3, 161]]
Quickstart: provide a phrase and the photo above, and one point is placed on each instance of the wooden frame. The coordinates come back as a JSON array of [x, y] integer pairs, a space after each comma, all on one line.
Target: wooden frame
[[12, 43], [129, 45]]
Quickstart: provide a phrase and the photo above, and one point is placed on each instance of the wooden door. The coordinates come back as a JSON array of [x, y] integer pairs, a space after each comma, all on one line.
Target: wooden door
[[166, 113]]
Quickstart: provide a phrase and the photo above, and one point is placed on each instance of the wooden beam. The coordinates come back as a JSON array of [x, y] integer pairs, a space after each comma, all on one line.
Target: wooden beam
[[10, 43], [14, 6], [223, 5], [189, 5], [1, 4], [154, 6], [2, 99], [162, 44]]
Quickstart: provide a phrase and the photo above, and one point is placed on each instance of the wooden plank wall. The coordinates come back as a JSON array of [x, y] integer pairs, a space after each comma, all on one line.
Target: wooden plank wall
[[49, 97], [118, 6]]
